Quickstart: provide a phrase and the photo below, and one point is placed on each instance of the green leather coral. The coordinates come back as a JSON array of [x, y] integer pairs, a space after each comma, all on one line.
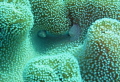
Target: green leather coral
[[57, 17], [16, 20], [55, 68], [101, 59], [84, 12], [100, 52], [50, 15]]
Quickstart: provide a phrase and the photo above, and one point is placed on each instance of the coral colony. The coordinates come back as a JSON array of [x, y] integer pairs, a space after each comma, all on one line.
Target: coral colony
[[59, 40]]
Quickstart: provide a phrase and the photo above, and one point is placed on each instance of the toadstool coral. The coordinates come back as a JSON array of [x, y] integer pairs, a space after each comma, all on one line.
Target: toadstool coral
[[96, 47], [50, 15], [58, 17], [16, 20], [54, 68], [101, 59], [84, 12]]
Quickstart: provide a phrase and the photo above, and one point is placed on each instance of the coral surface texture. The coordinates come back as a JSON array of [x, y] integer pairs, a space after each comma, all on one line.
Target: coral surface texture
[[59, 40]]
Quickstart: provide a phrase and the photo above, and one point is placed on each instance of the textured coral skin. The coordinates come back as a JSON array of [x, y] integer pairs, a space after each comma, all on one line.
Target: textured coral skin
[[85, 12], [97, 50], [54, 68], [50, 15], [101, 60], [81, 12], [16, 20]]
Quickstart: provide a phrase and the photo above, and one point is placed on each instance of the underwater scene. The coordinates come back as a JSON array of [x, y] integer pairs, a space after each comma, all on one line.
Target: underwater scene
[[59, 40]]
